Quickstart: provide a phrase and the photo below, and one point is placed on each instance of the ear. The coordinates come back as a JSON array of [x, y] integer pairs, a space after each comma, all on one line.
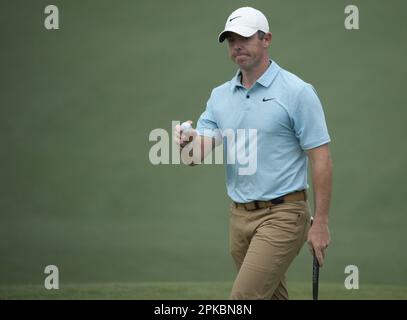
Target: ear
[[267, 39]]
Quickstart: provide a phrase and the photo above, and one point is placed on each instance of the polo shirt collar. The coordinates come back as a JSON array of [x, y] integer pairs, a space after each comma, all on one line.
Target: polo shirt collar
[[268, 76], [265, 79], [236, 81]]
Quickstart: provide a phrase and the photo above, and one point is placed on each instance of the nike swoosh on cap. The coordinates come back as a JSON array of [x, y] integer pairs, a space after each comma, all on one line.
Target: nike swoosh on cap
[[234, 18]]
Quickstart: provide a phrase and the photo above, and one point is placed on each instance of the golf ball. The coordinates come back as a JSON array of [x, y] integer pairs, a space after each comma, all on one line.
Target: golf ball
[[185, 127]]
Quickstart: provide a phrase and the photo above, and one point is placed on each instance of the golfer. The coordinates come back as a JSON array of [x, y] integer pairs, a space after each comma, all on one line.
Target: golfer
[[270, 214]]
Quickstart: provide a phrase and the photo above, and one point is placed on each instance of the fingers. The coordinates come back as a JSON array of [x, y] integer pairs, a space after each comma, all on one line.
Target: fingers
[[187, 137], [177, 136], [180, 138], [318, 241], [318, 250], [320, 256], [319, 253], [184, 137]]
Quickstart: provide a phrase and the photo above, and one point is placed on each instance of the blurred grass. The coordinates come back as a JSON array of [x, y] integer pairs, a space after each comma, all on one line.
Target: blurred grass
[[77, 106], [192, 291]]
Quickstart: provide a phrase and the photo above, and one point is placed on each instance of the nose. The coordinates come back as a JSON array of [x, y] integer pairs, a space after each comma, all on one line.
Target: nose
[[237, 46]]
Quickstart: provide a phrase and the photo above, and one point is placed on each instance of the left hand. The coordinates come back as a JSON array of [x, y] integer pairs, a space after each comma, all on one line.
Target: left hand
[[318, 240]]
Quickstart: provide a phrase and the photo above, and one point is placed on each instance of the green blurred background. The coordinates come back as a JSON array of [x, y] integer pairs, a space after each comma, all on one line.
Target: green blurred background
[[77, 105]]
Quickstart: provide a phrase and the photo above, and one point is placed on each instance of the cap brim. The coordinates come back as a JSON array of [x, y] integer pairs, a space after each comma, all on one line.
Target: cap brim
[[243, 31]]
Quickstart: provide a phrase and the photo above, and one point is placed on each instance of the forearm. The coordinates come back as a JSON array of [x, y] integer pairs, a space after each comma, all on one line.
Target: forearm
[[322, 171]]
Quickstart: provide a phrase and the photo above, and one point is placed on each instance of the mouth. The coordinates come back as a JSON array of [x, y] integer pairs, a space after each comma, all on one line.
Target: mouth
[[241, 55]]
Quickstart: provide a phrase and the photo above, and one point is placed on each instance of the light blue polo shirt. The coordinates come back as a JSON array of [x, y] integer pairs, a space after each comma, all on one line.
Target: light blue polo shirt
[[289, 119]]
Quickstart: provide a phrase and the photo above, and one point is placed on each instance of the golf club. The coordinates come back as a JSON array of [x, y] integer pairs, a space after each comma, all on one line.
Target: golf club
[[315, 274]]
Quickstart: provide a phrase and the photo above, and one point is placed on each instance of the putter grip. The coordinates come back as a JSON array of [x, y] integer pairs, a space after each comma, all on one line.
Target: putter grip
[[315, 278]]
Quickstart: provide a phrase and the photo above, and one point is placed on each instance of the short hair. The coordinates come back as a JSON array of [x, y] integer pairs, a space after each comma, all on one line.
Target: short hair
[[261, 34]]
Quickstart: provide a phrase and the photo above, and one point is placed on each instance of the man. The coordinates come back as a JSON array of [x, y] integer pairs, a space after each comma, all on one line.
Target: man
[[270, 218]]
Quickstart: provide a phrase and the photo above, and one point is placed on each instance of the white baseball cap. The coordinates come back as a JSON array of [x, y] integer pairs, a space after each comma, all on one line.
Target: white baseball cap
[[245, 21]]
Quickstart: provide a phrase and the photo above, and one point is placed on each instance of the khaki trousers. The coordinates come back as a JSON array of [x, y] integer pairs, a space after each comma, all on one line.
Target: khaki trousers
[[263, 243]]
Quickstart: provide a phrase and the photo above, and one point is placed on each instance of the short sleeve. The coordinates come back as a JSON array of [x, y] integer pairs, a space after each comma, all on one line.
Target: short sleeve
[[206, 125], [309, 120]]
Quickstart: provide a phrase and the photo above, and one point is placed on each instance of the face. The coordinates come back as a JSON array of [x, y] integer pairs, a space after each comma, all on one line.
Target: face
[[248, 52]]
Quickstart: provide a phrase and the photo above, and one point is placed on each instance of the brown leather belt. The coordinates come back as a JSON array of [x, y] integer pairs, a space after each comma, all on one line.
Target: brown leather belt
[[294, 196]]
